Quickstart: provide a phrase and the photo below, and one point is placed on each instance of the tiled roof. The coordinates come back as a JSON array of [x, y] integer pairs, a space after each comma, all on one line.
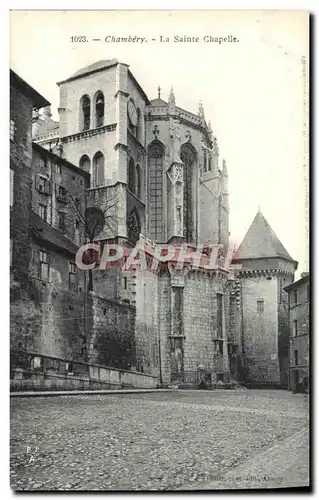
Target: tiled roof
[[45, 126], [158, 102], [261, 242], [103, 63]]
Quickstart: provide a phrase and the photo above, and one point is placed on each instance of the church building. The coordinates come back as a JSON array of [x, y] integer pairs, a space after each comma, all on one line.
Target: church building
[[157, 168]]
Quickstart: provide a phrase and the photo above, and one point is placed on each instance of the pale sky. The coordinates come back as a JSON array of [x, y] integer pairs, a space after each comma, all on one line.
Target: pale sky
[[254, 91]]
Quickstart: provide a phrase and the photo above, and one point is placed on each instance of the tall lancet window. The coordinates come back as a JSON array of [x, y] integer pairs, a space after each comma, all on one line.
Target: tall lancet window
[[99, 110], [98, 170], [85, 112], [188, 157], [131, 175], [138, 181], [205, 161], [155, 158], [139, 126]]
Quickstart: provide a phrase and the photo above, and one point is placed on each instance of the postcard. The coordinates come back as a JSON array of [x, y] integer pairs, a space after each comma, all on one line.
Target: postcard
[[159, 274]]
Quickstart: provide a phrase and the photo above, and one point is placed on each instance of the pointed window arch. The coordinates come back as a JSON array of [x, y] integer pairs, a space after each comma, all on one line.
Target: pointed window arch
[[138, 181], [99, 109], [85, 112], [189, 158], [205, 161], [131, 181], [85, 163], [139, 125], [155, 158], [98, 170], [133, 226]]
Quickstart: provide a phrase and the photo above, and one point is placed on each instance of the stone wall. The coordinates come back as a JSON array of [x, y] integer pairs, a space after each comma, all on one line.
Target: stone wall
[[260, 330], [98, 378], [112, 336], [20, 164], [147, 299], [48, 316]]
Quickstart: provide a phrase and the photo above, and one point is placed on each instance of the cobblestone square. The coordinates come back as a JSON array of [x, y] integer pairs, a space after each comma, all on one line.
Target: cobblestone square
[[180, 440]]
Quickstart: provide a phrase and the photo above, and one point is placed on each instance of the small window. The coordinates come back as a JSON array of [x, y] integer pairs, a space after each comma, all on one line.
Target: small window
[[296, 296], [43, 185], [58, 170], [11, 187], [44, 268], [61, 216], [296, 357], [260, 306], [12, 130], [72, 275], [43, 211], [125, 283], [295, 328], [62, 192]]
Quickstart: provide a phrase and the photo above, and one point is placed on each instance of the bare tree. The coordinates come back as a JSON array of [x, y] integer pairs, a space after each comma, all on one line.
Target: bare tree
[[95, 214], [96, 217]]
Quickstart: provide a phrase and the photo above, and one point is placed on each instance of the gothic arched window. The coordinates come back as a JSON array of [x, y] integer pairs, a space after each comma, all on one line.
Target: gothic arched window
[[139, 125], [131, 175], [188, 157], [133, 227], [205, 161], [98, 170], [155, 189], [138, 181], [99, 110], [85, 163], [85, 112]]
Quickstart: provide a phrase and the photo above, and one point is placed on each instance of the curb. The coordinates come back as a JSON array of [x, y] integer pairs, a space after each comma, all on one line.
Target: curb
[[31, 394]]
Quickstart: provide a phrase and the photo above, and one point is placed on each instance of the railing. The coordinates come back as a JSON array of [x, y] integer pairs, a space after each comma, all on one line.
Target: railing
[[35, 362]]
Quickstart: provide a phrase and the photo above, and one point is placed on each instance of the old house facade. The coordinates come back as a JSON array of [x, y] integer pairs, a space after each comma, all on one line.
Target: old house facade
[[299, 300]]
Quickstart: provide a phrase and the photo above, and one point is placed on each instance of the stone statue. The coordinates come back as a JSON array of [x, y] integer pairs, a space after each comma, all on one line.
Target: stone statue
[[176, 141]]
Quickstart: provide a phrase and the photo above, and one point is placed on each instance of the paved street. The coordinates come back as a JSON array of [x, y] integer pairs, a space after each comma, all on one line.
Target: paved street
[[160, 441]]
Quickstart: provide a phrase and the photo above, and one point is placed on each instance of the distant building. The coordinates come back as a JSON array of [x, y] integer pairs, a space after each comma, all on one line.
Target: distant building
[[299, 300]]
